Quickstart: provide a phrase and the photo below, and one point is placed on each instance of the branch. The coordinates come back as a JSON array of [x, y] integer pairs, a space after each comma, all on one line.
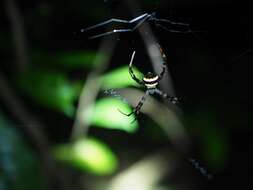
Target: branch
[[91, 89]]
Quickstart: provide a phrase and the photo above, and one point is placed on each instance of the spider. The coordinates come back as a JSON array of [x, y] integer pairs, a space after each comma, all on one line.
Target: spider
[[150, 82], [133, 24]]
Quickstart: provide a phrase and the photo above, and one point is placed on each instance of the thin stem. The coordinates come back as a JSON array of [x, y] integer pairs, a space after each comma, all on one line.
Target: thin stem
[[18, 34], [90, 91]]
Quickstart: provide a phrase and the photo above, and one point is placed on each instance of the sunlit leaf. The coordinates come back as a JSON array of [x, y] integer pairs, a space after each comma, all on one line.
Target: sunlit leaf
[[119, 78], [71, 59], [51, 89], [89, 155], [105, 113]]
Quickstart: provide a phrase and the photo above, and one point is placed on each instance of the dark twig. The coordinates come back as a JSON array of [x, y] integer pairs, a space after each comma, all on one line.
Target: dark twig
[[90, 90], [18, 34]]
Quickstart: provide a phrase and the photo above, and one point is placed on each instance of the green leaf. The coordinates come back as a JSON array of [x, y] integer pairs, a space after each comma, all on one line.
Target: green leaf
[[71, 59], [105, 113], [120, 78], [51, 89], [90, 155]]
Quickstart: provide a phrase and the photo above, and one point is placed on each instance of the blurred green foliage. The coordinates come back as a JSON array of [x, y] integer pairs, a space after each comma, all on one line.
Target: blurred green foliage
[[89, 155], [119, 78], [51, 89], [216, 147], [213, 141], [70, 59], [54, 90], [105, 113], [19, 167]]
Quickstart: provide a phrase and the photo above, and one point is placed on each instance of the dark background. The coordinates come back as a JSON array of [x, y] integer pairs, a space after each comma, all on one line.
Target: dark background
[[211, 71]]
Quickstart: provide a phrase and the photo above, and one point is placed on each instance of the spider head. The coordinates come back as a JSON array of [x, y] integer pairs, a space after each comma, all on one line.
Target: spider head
[[150, 80]]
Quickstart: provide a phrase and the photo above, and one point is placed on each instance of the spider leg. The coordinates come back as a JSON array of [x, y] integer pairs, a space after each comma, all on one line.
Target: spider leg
[[137, 109], [131, 72], [172, 99], [174, 31], [201, 169], [140, 19], [185, 27], [140, 104], [170, 22], [145, 17], [110, 32], [182, 27], [112, 20], [126, 113], [160, 76]]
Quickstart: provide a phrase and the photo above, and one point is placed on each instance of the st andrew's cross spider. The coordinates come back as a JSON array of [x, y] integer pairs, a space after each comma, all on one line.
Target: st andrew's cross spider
[[150, 82]]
